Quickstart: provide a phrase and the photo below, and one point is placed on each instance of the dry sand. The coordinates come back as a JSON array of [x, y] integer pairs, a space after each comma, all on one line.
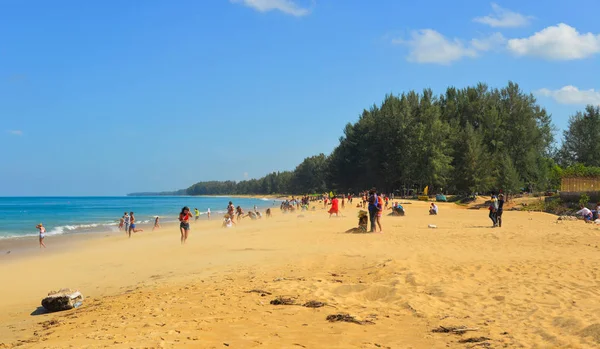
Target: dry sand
[[531, 284]]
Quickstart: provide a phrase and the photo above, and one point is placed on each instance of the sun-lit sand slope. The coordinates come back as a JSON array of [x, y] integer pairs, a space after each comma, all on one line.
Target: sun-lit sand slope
[[531, 284]]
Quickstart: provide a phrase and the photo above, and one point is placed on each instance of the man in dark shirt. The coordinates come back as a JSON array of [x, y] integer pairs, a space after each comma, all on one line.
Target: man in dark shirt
[[373, 201]]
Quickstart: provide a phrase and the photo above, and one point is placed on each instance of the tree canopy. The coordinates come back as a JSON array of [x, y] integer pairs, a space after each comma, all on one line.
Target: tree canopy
[[475, 139]]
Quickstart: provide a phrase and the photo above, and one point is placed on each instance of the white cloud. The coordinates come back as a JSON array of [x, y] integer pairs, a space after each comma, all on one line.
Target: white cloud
[[503, 18], [494, 42], [571, 95], [15, 132], [560, 42], [245, 175], [286, 6], [429, 46]]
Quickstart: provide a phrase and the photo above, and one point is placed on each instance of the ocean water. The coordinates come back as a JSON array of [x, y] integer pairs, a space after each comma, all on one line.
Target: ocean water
[[63, 215]]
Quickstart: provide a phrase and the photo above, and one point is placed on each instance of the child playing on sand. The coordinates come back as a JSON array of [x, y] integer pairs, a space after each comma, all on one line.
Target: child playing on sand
[[586, 213], [433, 210], [184, 223], [132, 225], [42, 234], [227, 223], [156, 223], [121, 222]]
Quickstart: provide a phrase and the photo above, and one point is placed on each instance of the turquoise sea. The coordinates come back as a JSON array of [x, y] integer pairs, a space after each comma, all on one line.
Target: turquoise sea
[[64, 215]]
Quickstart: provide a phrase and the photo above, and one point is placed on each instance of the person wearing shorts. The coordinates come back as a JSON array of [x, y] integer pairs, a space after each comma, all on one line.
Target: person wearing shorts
[[42, 234], [126, 221], [184, 223]]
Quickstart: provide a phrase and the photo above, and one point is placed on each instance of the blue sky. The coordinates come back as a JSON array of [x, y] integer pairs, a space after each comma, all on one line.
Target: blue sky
[[110, 97]]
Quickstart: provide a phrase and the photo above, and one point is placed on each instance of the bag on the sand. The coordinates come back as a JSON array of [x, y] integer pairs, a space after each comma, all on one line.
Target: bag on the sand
[[63, 299]]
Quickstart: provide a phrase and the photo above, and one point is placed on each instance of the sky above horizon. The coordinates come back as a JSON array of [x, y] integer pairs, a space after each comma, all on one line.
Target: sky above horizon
[[112, 97]]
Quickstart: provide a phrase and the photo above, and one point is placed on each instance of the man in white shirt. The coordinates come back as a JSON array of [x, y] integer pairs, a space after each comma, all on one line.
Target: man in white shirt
[[586, 213], [433, 210]]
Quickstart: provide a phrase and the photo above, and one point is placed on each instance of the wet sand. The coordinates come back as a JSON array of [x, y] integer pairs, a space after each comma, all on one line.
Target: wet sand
[[531, 284]]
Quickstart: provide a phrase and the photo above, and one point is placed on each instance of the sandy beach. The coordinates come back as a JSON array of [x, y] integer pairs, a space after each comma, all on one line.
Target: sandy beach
[[530, 284]]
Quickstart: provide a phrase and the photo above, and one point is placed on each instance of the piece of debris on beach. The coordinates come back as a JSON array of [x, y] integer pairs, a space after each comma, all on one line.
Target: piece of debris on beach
[[283, 301], [342, 317], [453, 329], [63, 299], [261, 292], [314, 304]]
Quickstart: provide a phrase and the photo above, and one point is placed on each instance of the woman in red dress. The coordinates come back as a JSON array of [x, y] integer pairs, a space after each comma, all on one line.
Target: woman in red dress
[[334, 207]]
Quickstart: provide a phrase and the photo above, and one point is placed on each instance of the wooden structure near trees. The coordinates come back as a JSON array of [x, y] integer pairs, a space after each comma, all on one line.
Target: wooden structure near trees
[[571, 188], [580, 184]]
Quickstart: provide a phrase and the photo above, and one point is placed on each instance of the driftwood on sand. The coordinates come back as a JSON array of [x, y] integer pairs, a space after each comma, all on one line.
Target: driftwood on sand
[[63, 299], [343, 317]]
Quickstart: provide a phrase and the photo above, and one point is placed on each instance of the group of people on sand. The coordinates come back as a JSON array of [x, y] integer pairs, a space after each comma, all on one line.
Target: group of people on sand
[[496, 208], [128, 223]]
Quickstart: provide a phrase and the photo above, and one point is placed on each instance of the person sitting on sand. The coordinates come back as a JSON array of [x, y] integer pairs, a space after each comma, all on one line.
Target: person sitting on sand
[[433, 210], [586, 213], [42, 234], [334, 207], [227, 222], [132, 225], [268, 213], [258, 214], [156, 224], [363, 220]]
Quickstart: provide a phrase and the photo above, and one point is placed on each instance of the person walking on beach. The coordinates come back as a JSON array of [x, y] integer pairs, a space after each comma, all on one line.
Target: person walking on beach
[[208, 213], [156, 223], [197, 213], [231, 211], [334, 207], [126, 222], [42, 234], [500, 209], [132, 225], [373, 201], [121, 223], [184, 223]]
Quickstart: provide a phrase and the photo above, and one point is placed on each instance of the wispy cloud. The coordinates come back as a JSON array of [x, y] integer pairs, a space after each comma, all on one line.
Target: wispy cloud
[[503, 18], [571, 95], [560, 42], [430, 46], [15, 132], [286, 6]]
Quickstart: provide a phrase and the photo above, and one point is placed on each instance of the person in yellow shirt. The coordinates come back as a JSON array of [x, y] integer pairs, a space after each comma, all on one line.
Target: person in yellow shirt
[[197, 213]]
